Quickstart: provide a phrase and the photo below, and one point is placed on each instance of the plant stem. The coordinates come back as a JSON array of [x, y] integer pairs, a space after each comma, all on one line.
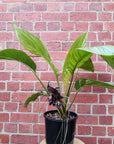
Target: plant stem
[[73, 82], [72, 102], [41, 83]]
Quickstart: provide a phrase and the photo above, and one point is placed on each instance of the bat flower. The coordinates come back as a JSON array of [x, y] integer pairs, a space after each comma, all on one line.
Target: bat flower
[[55, 96]]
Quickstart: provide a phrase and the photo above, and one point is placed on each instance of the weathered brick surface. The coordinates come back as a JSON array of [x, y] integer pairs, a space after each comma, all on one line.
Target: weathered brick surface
[[58, 23]]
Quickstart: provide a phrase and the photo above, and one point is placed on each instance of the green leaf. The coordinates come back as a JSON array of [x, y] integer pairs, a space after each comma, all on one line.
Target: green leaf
[[34, 45], [35, 96], [18, 55], [106, 52], [86, 82], [77, 58], [100, 50], [88, 65]]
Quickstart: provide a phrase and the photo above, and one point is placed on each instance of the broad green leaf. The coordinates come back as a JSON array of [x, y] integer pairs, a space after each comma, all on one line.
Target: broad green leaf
[[106, 52], [109, 60], [33, 44], [35, 96], [100, 50], [18, 55], [86, 82], [76, 58]]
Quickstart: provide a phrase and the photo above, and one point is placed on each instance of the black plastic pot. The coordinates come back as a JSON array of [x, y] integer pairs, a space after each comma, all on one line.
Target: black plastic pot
[[59, 131]]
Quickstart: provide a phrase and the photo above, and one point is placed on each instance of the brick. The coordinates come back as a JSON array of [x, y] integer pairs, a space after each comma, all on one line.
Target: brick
[[38, 86], [81, 26], [27, 86], [83, 16], [24, 109], [3, 7], [98, 131], [20, 96], [4, 96], [53, 26], [105, 140], [2, 45], [25, 128], [6, 17], [12, 65], [111, 109], [99, 89], [104, 36], [99, 109], [85, 98], [12, 86], [96, 26], [26, 76], [39, 107], [105, 120], [26, 139], [11, 106], [53, 7], [109, 26], [111, 131], [84, 109], [42, 66], [92, 36], [39, 129], [1, 127], [2, 26], [40, 26], [55, 17], [67, 26], [26, 7], [104, 77], [58, 65], [6, 36], [37, 0], [102, 16], [66, 46], [52, 36], [2, 64], [87, 119], [68, 6], [40, 7], [84, 130], [54, 46], [4, 138], [58, 55], [88, 140], [100, 67], [27, 26], [10, 128], [48, 76], [74, 35], [81, 7], [4, 117], [13, 1], [105, 98], [95, 7], [27, 118], [1, 107], [36, 128], [87, 75], [108, 7], [27, 16]]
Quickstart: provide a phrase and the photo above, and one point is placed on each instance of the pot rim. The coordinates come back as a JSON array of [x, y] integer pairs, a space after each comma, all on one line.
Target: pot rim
[[57, 120]]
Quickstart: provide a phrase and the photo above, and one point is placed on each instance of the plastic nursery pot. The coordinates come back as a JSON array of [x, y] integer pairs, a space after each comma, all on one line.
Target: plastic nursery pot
[[60, 131]]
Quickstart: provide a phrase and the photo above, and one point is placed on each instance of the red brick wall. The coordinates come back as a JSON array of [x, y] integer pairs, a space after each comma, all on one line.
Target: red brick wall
[[58, 23]]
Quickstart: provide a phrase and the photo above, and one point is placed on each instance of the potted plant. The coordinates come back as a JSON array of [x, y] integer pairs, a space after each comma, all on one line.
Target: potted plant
[[60, 123]]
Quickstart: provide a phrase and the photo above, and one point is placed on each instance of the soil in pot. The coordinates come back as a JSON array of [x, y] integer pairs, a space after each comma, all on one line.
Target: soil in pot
[[59, 131]]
